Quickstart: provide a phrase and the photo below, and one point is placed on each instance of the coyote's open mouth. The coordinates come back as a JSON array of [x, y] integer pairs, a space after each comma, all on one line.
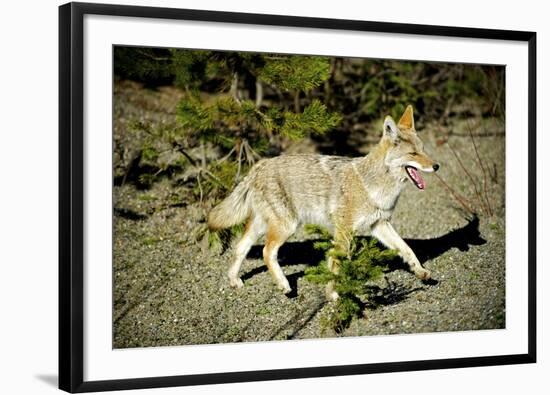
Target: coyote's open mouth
[[415, 177]]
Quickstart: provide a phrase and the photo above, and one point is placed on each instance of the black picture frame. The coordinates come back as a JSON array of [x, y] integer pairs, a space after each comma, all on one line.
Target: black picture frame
[[71, 205]]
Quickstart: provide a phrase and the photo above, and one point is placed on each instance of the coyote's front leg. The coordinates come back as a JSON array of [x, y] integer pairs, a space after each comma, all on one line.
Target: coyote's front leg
[[384, 232]]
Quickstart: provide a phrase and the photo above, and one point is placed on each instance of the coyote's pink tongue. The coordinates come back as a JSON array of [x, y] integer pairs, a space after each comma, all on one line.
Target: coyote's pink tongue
[[415, 176]]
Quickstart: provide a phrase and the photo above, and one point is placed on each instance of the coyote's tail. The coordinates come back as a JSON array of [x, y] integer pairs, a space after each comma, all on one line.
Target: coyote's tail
[[234, 209]]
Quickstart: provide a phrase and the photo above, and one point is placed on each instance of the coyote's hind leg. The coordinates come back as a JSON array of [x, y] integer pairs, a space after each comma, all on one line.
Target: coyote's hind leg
[[255, 228], [277, 234]]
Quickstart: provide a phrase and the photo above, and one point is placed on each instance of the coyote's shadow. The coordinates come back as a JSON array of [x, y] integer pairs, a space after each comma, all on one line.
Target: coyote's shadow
[[303, 252], [461, 238]]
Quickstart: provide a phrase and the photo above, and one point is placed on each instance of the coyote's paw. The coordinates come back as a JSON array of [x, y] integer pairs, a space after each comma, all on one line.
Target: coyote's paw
[[236, 282], [422, 274], [330, 293], [333, 296], [285, 287]]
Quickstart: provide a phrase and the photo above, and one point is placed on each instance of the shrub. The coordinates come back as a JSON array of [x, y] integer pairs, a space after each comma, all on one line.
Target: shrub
[[364, 262]]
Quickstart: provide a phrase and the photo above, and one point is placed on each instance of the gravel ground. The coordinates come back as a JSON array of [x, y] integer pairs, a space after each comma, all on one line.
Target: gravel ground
[[171, 290]]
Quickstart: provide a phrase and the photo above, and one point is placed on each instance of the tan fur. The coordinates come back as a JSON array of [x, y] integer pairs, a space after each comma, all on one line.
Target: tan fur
[[346, 195], [407, 119]]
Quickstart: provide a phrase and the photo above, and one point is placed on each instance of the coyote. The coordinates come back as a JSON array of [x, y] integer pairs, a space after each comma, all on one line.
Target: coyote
[[345, 195]]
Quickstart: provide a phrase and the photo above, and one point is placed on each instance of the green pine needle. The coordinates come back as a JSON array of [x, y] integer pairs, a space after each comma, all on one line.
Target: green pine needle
[[364, 262], [301, 73]]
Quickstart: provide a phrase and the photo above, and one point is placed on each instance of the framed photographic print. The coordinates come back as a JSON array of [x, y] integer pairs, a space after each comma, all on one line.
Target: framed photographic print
[[251, 197]]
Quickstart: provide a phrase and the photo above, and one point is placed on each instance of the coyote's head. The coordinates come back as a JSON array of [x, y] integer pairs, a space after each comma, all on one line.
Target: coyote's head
[[405, 154]]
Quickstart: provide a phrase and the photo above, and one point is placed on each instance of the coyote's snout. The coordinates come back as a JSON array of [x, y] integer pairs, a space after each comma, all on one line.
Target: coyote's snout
[[345, 195]]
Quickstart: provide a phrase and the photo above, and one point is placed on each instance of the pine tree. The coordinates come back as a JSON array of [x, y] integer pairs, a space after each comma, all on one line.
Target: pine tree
[[224, 109], [225, 121], [364, 262]]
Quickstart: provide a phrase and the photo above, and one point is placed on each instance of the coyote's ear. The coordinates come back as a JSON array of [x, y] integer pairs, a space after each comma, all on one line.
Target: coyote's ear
[[390, 128], [407, 119]]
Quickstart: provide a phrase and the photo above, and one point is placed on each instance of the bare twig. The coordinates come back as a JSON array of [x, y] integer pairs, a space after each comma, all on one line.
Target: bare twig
[[250, 154], [480, 162], [214, 178], [234, 91], [200, 186], [460, 199], [494, 174], [478, 194], [239, 160], [201, 170], [296, 101], [259, 92], [479, 135], [150, 56], [226, 156], [188, 156], [203, 155]]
